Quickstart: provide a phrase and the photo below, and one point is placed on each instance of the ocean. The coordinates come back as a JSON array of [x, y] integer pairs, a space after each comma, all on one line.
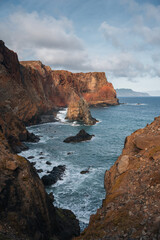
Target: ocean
[[83, 193]]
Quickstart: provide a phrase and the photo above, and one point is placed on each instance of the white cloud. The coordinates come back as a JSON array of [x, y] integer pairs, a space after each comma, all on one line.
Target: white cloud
[[113, 34], [45, 38], [31, 30], [54, 42], [121, 65], [148, 34], [62, 59]]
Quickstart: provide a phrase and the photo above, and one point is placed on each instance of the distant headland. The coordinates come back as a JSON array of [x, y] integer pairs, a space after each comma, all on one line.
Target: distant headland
[[126, 92]]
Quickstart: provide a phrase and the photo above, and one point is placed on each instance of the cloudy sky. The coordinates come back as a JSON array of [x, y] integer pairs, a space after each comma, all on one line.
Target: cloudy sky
[[119, 37]]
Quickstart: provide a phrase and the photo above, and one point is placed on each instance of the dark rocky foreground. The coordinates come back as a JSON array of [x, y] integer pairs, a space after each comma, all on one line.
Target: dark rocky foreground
[[26, 210], [81, 136]]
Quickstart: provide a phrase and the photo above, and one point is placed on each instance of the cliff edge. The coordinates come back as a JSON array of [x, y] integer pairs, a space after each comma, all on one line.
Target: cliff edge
[[131, 209]]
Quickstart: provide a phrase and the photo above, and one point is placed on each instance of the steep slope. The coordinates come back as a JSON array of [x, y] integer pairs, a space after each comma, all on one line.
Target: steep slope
[[26, 210], [131, 209], [29, 89]]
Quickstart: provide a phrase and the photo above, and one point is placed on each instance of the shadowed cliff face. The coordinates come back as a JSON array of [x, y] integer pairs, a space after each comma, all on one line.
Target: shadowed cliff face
[[29, 89], [131, 208], [26, 210]]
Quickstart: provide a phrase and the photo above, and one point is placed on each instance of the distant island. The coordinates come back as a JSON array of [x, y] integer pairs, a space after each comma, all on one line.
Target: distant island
[[125, 92], [154, 93]]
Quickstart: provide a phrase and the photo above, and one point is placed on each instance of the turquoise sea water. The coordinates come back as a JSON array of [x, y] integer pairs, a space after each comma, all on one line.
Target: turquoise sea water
[[83, 194]]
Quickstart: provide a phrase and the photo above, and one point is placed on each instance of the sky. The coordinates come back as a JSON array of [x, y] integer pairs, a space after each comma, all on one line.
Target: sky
[[118, 37]]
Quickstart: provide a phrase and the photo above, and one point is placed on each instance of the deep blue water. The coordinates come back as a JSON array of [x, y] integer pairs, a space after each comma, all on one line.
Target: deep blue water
[[83, 194]]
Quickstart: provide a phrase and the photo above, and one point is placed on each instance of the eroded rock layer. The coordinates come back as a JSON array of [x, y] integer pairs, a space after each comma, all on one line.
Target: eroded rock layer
[[131, 209]]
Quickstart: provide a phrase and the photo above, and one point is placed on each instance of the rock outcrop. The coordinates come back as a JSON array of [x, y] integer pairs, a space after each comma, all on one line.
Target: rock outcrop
[[79, 137], [131, 209], [54, 175], [78, 110]]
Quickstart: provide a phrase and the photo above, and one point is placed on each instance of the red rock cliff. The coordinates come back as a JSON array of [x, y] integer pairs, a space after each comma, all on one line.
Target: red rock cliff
[[31, 88], [26, 210], [131, 209]]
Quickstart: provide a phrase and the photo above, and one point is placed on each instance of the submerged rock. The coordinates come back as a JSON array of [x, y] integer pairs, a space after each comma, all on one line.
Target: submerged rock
[[81, 136], [85, 171], [30, 157], [55, 175], [48, 163]]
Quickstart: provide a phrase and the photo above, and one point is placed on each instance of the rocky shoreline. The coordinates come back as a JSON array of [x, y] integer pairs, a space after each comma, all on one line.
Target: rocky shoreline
[[31, 93]]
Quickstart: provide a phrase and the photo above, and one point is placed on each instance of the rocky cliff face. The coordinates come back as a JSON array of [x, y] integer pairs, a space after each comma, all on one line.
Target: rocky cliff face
[[29, 89], [131, 209], [26, 210], [93, 86]]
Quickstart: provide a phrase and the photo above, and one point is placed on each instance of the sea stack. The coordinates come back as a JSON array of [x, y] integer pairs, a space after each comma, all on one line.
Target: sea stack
[[78, 110]]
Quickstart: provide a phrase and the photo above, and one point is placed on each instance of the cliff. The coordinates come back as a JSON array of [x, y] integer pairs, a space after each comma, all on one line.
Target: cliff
[[131, 209], [92, 86], [26, 210], [28, 90]]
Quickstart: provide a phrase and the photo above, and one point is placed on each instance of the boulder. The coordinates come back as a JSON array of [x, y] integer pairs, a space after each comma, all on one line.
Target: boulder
[[48, 163], [85, 171], [30, 157], [55, 175], [81, 136]]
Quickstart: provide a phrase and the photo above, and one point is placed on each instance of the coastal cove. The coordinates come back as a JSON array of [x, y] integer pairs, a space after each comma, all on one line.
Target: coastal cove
[[83, 194]]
